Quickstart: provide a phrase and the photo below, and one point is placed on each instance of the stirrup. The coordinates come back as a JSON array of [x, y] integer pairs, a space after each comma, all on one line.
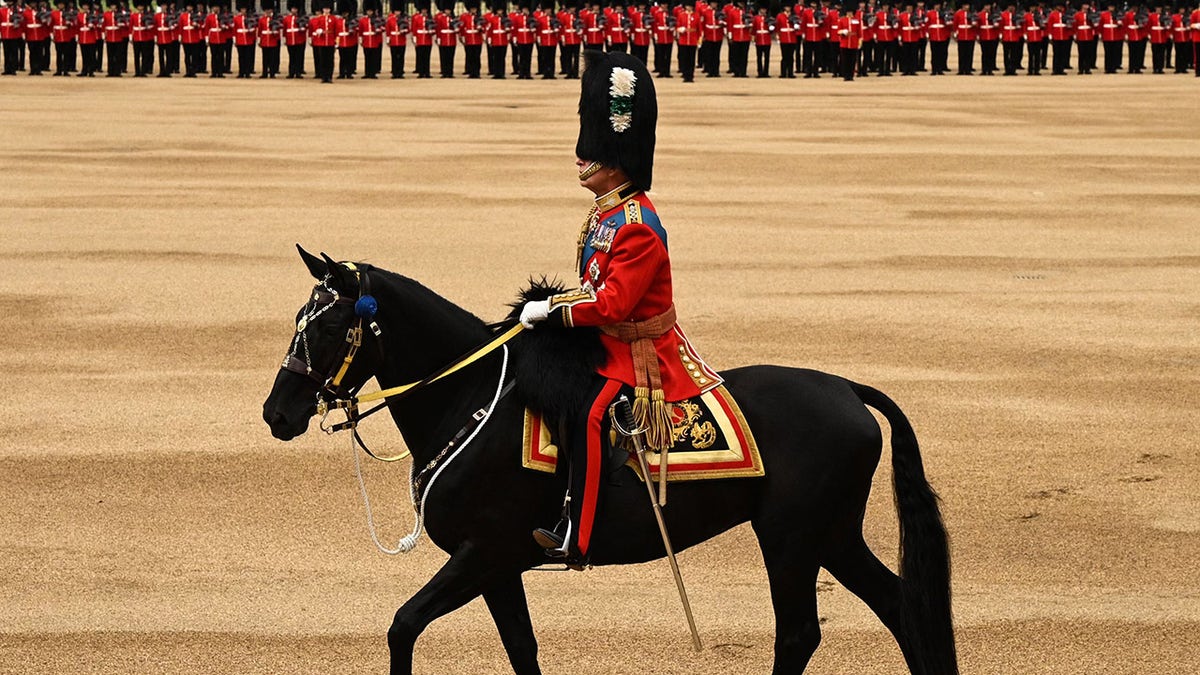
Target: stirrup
[[554, 543]]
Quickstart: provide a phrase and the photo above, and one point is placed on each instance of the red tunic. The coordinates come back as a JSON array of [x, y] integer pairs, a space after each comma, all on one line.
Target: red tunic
[[64, 27], [267, 36], [443, 23], [396, 36], [347, 33], [371, 38], [625, 273], [849, 32], [244, 31], [783, 26], [419, 27], [293, 31], [762, 31], [472, 36]]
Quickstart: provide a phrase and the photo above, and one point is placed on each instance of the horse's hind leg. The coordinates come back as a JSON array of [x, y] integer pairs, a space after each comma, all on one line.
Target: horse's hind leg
[[506, 601], [792, 573], [857, 568]]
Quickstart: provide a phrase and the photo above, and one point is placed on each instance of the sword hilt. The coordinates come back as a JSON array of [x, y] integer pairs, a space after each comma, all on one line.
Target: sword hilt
[[623, 416]]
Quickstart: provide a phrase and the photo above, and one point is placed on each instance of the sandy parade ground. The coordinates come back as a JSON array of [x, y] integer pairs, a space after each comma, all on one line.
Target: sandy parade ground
[[1014, 260]]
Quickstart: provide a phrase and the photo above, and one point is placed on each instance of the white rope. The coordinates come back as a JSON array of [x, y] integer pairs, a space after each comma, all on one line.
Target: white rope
[[409, 541]]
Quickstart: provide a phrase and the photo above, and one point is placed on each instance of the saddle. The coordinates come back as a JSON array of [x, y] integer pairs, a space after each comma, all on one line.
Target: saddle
[[711, 440]]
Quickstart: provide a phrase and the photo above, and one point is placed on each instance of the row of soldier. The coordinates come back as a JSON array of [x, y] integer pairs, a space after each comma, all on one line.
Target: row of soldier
[[815, 37]]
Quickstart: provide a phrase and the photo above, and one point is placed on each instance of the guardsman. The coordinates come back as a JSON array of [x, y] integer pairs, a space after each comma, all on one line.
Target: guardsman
[[763, 29], [570, 35], [1085, 39], [740, 35], [833, 43], [785, 28], [370, 31], [866, 51], [663, 29], [938, 24], [1012, 34], [471, 29], [910, 37], [295, 37], [615, 31], [447, 40], [640, 24], [713, 35], [688, 27], [988, 20], [347, 40], [423, 36], [62, 26], [812, 22], [547, 43], [625, 291], [1181, 41], [191, 38], [849, 38], [1112, 34], [886, 32], [245, 34], [37, 37], [1034, 22], [1160, 37], [215, 36], [89, 40], [11, 35], [270, 36], [322, 30], [495, 23], [164, 35], [965, 33], [1060, 39], [523, 32], [1136, 34]]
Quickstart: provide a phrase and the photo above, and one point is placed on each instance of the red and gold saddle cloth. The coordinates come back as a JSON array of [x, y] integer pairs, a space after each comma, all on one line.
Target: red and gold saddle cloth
[[712, 440]]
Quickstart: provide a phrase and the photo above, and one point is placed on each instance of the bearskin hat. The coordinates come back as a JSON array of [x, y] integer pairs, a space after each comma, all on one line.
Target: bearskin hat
[[618, 113], [399, 5], [269, 5], [368, 5]]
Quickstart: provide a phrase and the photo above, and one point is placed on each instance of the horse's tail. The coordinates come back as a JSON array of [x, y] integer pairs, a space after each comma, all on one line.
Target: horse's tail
[[924, 545]]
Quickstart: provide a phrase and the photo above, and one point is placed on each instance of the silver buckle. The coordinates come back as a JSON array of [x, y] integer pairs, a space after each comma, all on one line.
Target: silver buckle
[[479, 415]]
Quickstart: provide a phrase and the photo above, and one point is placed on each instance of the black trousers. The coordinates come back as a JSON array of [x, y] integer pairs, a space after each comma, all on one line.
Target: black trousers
[[762, 56], [908, 58], [270, 60], [164, 63], [887, 57], [1062, 56], [446, 60], [226, 58], [640, 52], [143, 58], [687, 62], [787, 60], [940, 57], [295, 60], [323, 63], [1012, 57], [1183, 57], [1158, 57], [849, 63], [619, 47], [62, 57], [495, 61], [1087, 56], [662, 58], [1112, 55], [812, 58], [987, 56], [966, 57], [423, 52], [192, 55], [866, 58], [11, 56], [1035, 57], [739, 58], [1137, 56], [921, 45], [245, 60], [545, 61], [712, 58], [524, 54], [473, 61], [39, 56], [571, 61], [347, 61], [398, 60], [832, 54]]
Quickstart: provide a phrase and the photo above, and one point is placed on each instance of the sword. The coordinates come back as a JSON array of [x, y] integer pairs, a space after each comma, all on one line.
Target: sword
[[621, 414]]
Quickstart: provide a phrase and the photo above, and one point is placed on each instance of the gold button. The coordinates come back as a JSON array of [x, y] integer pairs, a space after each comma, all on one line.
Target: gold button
[[704, 380], [681, 350], [691, 366]]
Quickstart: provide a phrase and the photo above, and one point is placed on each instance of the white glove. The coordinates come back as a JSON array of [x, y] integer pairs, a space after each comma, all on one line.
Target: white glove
[[534, 311]]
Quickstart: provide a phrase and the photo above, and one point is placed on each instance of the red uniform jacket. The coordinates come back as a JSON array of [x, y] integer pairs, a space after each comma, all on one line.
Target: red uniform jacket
[[522, 29], [1158, 32], [831, 25], [347, 32], [212, 28], [964, 26], [245, 30], [164, 30], [937, 30], [1033, 32], [1056, 25], [1133, 32], [567, 33], [713, 31], [35, 30], [663, 33], [546, 35], [1111, 29], [625, 274], [1083, 30], [471, 30], [762, 31], [739, 29], [908, 32], [988, 31], [395, 36], [293, 33], [639, 28], [10, 24], [783, 26], [614, 28], [849, 32], [63, 26], [190, 32], [371, 38], [868, 32], [814, 31], [421, 32], [1011, 29], [267, 36], [443, 24], [88, 33], [1195, 26], [323, 29], [687, 28], [884, 31]]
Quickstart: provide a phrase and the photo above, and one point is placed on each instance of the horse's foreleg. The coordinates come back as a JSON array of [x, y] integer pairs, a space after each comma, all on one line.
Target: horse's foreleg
[[506, 601], [792, 574], [460, 580]]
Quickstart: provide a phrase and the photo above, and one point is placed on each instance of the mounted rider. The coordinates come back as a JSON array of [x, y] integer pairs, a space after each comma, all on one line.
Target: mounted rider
[[625, 287]]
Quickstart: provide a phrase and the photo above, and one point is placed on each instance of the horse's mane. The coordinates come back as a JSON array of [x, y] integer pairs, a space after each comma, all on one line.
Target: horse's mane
[[442, 311], [554, 366]]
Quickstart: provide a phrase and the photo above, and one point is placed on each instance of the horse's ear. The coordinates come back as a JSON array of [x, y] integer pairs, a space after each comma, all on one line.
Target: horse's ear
[[315, 265], [343, 278]]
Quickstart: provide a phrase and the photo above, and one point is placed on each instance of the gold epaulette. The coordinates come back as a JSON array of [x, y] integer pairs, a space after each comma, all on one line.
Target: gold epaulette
[[633, 212]]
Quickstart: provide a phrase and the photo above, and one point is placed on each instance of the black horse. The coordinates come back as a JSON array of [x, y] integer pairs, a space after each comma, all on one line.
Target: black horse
[[819, 443]]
